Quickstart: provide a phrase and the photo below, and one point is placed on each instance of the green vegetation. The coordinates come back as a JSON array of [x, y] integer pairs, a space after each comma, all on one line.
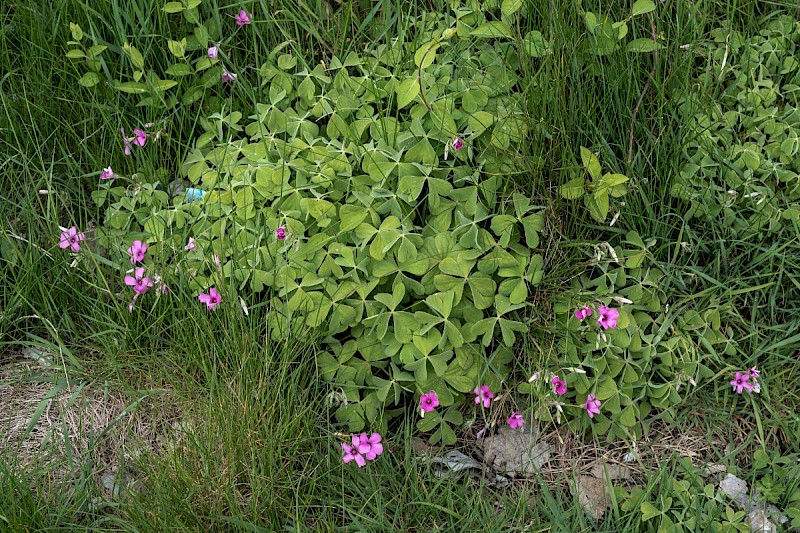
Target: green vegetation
[[453, 181]]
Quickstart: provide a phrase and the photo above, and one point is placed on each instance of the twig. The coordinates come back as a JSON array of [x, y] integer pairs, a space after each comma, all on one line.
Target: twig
[[644, 91]]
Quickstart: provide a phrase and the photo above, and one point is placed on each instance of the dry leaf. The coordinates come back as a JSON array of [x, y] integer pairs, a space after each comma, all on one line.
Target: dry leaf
[[593, 496], [515, 452]]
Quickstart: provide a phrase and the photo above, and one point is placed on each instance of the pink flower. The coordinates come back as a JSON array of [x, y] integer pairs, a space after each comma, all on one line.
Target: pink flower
[[428, 402], [351, 453], [228, 76], [213, 52], [141, 138], [130, 305], [458, 144], [125, 141], [370, 447], [217, 263], [138, 281], [516, 421], [484, 394], [242, 18], [137, 251], [559, 385], [608, 317], [740, 383], [592, 405], [754, 372], [190, 245], [583, 313], [71, 238], [212, 299], [280, 233], [107, 174]]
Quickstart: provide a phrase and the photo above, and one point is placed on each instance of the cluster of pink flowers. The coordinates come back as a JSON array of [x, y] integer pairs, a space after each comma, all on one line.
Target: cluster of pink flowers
[[242, 19], [608, 316], [742, 381], [364, 448], [138, 281]]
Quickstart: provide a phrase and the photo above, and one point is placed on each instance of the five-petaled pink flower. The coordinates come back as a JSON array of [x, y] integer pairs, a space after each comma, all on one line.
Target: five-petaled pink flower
[[137, 251], [107, 174], [370, 447], [71, 238], [280, 233], [228, 76], [213, 52], [608, 317], [139, 281], [592, 405], [212, 299], [190, 245], [516, 421], [458, 144], [242, 18], [740, 382], [125, 141], [351, 453], [140, 137], [559, 385], [583, 313], [484, 395], [428, 402]]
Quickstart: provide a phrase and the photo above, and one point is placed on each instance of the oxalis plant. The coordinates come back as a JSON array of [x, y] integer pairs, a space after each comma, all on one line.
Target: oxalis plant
[[363, 198]]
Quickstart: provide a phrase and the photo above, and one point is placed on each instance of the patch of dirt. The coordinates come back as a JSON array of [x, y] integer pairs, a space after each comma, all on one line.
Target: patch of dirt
[[83, 427]]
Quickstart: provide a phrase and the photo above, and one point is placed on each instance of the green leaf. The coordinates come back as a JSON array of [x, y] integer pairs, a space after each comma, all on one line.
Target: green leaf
[[535, 44], [591, 163], [495, 28], [90, 79], [649, 511], [131, 87], [77, 32], [163, 85], [478, 122], [134, 55], [179, 69], [441, 302], [640, 7], [597, 206], [422, 152], [426, 54], [643, 45], [76, 53], [177, 48], [172, 7], [573, 189], [406, 92], [509, 7]]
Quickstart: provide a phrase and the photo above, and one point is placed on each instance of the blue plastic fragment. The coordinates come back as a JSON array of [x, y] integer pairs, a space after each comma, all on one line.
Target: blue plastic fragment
[[192, 195]]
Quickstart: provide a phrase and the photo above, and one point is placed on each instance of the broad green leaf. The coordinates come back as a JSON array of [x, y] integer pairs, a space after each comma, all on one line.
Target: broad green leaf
[[132, 87], [643, 45], [441, 302], [179, 69], [590, 163], [597, 206], [573, 189], [649, 511], [640, 7], [495, 28], [76, 53], [350, 217], [426, 54], [172, 7], [177, 48], [406, 92], [535, 44], [509, 7], [134, 55], [77, 32], [90, 79], [478, 122]]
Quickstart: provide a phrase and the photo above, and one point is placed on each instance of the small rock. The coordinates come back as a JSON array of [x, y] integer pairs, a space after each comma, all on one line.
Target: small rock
[[513, 452], [775, 514], [43, 357], [593, 496], [115, 483], [735, 488], [455, 460], [611, 471], [759, 523]]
